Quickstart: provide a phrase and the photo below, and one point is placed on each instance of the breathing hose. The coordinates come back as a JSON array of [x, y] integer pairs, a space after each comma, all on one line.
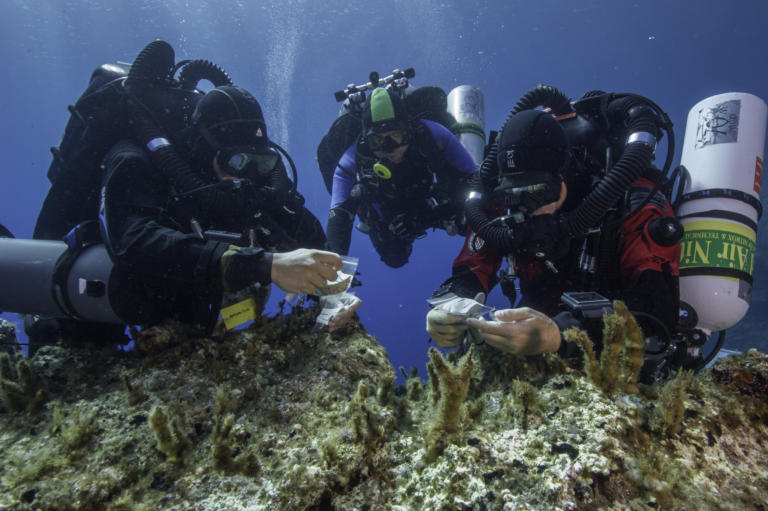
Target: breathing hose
[[153, 67], [193, 71], [278, 175]]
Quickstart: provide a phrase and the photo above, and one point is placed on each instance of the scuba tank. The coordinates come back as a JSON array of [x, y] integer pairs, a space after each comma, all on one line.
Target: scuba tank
[[720, 208], [465, 103], [39, 278]]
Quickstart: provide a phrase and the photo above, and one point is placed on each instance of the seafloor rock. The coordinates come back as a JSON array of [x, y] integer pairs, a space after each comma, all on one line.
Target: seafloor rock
[[280, 417]]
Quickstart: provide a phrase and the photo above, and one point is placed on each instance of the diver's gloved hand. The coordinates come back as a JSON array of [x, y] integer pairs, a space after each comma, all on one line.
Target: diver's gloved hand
[[402, 226], [242, 266], [447, 321]]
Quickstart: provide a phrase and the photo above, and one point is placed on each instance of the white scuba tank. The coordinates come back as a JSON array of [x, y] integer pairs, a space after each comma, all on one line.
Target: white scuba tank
[[723, 151], [465, 103]]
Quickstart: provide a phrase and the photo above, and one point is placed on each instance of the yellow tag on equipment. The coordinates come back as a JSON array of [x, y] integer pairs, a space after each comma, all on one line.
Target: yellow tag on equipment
[[238, 313]]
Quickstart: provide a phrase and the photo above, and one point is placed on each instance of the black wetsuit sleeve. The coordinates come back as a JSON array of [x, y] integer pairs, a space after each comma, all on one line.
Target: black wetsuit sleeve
[[301, 228], [137, 233], [463, 282], [339, 228], [310, 231]]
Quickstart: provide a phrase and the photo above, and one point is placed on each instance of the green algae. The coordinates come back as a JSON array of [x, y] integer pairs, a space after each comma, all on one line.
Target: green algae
[[668, 414], [280, 417], [169, 433], [622, 355], [19, 390], [450, 390]]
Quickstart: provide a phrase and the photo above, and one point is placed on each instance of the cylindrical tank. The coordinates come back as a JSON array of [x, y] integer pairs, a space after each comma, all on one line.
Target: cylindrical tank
[[28, 283], [465, 103], [26, 270], [723, 151]]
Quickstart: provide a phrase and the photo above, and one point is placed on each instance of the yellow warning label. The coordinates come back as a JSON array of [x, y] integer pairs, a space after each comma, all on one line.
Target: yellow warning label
[[238, 313]]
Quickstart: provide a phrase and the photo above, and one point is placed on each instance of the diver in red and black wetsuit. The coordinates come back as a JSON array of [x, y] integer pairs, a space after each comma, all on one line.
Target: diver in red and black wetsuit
[[568, 219]]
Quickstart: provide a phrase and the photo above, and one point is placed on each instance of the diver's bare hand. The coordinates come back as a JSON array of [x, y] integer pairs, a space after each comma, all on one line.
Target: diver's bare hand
[[522, 331], [304, 270]]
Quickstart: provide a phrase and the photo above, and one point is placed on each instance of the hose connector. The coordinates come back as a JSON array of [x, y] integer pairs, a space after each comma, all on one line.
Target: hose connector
[[157, 143], [474, 195], [642, 137]]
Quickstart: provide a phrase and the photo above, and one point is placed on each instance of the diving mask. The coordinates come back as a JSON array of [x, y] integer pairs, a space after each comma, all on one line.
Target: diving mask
[[387, 141], [528, 191], [248, 162]]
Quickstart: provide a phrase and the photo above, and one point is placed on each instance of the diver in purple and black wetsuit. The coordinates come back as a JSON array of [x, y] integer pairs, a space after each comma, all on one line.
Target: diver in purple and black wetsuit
[[402, 177]]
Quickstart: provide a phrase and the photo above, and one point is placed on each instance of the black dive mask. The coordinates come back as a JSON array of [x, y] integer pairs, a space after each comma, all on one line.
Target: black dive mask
[[528, 191], [248, 162], [387, 142]]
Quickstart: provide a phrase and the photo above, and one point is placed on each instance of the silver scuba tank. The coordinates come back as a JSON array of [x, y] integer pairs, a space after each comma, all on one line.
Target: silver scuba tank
[[466, 104]]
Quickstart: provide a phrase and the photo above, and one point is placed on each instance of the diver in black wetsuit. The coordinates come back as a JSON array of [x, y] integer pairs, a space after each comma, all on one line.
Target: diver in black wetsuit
[[194, 202], [156, 233]]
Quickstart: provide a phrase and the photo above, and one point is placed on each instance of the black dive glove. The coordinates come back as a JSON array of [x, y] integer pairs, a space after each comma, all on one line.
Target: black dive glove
[[403, 227], [243, 266]]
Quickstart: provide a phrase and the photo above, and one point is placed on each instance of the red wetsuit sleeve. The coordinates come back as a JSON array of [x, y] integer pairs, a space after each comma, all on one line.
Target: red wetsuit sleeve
[[479, 260], [638, 251]]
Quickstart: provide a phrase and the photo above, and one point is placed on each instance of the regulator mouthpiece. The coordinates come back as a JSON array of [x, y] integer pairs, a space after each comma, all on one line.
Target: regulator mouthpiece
[[382, 171]]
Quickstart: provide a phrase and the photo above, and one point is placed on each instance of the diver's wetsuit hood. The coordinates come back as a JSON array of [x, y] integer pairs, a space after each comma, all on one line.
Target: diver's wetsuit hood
[[228, 126], [226, 117], [532, 155], [229, 115], [385, 111]]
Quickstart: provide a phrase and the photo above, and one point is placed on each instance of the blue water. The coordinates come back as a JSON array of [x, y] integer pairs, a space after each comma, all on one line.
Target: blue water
[[293, 54]]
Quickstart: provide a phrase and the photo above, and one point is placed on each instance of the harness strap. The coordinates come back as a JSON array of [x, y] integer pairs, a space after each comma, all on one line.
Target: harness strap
[[727, 215], [717, 272], [726, 193]]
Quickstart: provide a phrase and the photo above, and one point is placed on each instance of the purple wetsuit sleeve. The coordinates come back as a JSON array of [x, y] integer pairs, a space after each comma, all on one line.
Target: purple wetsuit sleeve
[[454, 152], [343, 177]]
